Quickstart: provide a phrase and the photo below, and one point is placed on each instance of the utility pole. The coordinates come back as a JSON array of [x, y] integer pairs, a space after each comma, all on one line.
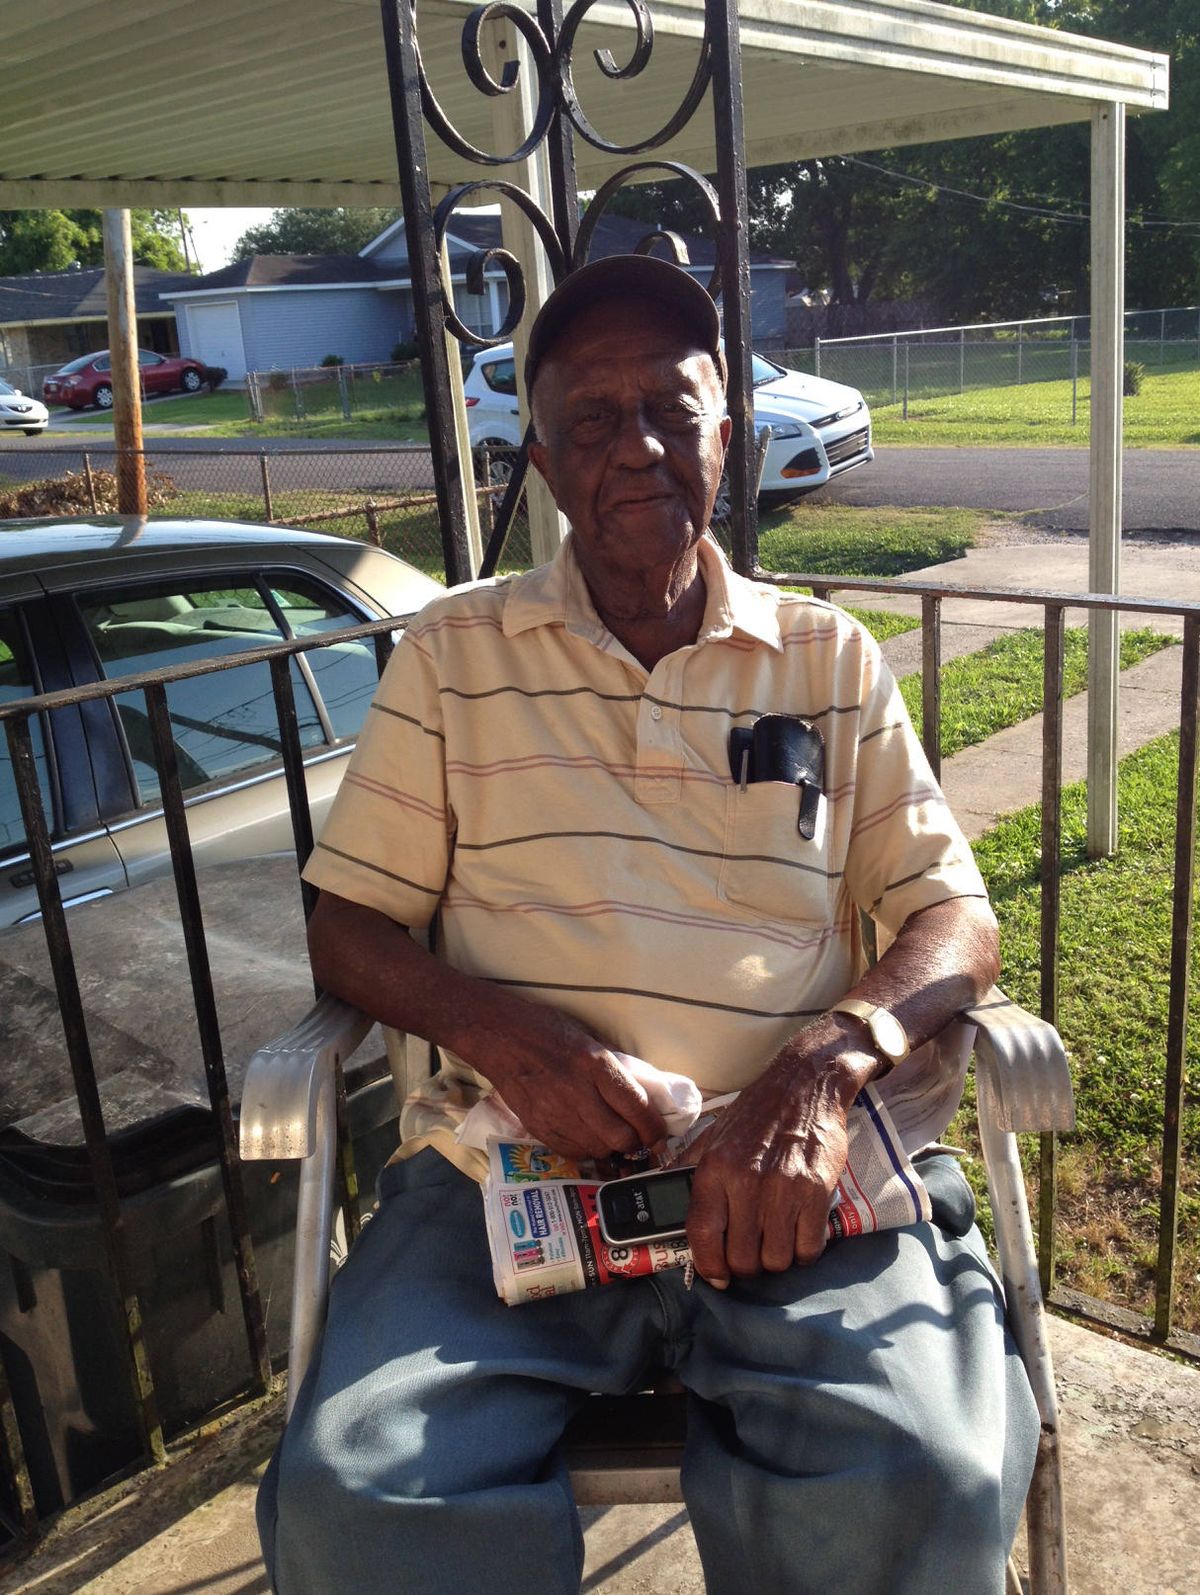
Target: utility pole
[[122, 352]]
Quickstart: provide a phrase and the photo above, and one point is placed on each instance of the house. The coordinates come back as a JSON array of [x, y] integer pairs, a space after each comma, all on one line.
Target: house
[[48, 318], [278, 312]]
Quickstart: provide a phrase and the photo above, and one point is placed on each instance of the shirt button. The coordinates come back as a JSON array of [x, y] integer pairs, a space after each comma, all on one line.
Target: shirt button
[[655, 712]]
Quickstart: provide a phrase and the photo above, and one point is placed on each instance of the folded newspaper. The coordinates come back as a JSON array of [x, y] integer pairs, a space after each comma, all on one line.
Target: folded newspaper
[[541, 1207]]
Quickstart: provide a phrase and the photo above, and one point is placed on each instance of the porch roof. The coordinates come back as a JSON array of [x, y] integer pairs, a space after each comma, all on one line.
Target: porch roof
[[286, 103]]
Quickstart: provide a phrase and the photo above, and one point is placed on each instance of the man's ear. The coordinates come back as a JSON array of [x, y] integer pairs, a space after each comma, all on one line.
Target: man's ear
[[539, 457]]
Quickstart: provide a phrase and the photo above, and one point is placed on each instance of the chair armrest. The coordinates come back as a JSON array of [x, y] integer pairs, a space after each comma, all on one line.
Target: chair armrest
[[1023, 1065], [283, 1081]]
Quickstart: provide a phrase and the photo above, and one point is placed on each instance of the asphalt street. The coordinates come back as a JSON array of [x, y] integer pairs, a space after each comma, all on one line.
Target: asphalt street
[[1047, 488]]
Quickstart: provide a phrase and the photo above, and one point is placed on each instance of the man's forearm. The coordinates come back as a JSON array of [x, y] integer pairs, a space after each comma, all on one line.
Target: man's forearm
[[369, 960]]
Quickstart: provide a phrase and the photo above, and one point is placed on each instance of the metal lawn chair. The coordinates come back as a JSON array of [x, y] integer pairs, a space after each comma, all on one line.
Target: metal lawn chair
[[628, 1449]]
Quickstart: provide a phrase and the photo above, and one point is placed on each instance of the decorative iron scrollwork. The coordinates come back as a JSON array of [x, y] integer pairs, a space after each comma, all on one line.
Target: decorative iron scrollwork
[[482, 258], [554, 74], [618, 180], [637, 63]]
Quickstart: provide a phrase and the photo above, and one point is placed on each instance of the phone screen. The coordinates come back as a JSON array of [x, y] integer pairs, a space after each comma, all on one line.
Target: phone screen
[[668, 1198]]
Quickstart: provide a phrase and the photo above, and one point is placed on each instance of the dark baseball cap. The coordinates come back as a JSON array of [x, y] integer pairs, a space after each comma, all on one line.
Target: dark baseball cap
[[625, 277]]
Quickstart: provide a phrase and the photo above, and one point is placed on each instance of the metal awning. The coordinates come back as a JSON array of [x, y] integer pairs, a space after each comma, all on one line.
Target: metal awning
[[166, 102]]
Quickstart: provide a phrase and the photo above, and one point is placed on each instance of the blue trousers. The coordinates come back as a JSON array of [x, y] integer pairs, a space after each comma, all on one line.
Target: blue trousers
[[862, 1426]]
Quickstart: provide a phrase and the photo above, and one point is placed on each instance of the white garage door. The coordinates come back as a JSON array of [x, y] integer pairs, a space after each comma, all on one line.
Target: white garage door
[[216, 337]]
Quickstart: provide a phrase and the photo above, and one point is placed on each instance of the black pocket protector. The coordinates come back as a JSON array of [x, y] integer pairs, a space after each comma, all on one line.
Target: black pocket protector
[[782, 747]]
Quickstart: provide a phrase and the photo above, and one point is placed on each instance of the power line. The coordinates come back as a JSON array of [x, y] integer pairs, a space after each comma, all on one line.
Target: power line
[[1069, 218]]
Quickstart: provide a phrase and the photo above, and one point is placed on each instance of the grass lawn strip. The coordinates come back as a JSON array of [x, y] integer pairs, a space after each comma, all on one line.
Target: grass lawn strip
[[1162, 415], [1001, 685], [1114, 962]]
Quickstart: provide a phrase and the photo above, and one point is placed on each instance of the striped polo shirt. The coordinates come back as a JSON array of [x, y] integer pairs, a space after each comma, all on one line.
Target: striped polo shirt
[[573, 819]]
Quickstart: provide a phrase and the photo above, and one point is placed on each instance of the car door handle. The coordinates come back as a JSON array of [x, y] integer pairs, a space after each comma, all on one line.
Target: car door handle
[[26, 877]]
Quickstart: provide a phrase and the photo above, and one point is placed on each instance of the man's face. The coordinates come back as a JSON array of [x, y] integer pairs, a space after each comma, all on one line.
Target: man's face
[[631, 435]]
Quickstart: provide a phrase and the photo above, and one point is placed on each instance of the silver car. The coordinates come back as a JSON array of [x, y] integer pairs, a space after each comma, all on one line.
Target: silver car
[[90, 600], [20, 413]]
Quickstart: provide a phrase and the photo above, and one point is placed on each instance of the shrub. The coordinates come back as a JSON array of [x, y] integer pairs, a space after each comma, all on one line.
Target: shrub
[[68, 495], [1135, 372], [404, 351], [277, 381], [332, 360], [214, 376]]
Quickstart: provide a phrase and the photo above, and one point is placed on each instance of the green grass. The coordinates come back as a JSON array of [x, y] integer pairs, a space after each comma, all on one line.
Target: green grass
[[1114, 960], [1001, 685], [190, 409], [1164, 414], [844, 540]]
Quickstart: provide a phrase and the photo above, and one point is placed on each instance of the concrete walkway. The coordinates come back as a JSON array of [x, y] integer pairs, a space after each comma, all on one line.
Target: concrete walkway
[[1005, 772], [1131, 1418]]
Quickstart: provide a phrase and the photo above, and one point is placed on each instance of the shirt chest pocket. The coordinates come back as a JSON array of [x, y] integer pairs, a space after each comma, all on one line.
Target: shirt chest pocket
[[769, 869]]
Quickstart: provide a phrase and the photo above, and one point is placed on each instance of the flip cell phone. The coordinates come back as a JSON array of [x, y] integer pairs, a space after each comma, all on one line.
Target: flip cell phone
[[644, 1207]]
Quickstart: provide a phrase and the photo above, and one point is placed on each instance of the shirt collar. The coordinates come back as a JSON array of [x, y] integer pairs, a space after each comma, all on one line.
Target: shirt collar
[[557, 594]]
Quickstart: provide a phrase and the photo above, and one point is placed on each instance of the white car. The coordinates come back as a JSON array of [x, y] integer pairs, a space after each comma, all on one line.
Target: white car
[[19, 413], [819, 429]]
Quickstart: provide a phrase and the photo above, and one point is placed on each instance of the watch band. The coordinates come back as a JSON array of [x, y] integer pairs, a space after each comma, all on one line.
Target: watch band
[[887, 1033]]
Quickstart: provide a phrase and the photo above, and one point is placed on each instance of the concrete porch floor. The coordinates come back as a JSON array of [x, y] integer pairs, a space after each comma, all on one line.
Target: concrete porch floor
[[1131, 1425]]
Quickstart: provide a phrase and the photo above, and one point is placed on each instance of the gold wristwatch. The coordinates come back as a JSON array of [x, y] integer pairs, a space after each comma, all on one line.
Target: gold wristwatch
[[887, 1033]]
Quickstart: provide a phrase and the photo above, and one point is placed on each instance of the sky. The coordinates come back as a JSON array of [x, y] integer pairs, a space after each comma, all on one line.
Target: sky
[[216, 231]]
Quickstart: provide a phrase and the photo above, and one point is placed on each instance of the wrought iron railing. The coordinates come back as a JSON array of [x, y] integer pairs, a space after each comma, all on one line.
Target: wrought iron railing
[[139, 1370]]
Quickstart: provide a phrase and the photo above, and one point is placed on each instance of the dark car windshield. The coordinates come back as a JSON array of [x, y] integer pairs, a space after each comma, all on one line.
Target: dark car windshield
[[764, 371], [78, 365], [4, 388]]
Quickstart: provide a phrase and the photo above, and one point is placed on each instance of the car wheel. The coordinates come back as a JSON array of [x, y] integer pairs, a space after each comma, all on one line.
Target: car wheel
[[104, 397], [500, 462], [192, 381]]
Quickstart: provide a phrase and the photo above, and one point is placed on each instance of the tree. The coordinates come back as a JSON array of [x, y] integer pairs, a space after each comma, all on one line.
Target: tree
[[54, 240], [309, 231]]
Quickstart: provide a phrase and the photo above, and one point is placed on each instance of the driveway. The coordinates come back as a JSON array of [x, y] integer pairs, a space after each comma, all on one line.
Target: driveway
[[1046, 486]]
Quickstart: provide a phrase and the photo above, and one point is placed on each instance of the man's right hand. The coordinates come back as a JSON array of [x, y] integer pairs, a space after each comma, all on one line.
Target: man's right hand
[[564, 1085], [567, 1088]]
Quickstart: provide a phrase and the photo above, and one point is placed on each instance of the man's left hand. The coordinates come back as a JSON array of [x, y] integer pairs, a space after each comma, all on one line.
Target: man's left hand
[[767, 1169]]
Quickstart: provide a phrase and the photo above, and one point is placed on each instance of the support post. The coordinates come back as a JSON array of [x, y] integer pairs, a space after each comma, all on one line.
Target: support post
[[123, 355], [462, 432], [1104, 478], [729, 128], [512, 115], [449, 468]]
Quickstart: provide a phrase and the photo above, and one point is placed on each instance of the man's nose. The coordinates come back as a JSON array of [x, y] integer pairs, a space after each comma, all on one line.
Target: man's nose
[[637, 443]]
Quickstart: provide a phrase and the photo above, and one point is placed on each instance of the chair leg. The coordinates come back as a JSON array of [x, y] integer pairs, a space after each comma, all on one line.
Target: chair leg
[[314, 1225], [1027, 1320]]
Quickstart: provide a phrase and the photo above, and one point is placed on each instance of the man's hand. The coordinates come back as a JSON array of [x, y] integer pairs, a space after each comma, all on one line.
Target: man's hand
[[767, 1169], [567, 1088]]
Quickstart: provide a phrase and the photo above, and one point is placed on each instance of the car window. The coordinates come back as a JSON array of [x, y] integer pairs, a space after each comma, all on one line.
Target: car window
[[500, 375], [145, 358], [16, 682], [75, 365], [762, 371], [224, 723], [103, 363], [4, 388], [346, 673]]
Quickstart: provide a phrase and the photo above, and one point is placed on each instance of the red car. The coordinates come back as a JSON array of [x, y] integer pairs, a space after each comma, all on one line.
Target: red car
[[88, 380]]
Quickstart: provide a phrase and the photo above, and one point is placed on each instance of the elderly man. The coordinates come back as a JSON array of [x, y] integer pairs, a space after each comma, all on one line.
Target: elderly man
[[548, 767]]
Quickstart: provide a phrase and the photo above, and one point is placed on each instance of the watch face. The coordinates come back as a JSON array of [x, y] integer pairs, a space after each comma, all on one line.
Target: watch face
[[889, 1034]]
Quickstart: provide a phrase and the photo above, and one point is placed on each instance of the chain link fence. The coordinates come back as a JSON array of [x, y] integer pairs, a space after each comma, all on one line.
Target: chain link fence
[[897, 368], [28, 379], [307, 393], [382, 495]]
